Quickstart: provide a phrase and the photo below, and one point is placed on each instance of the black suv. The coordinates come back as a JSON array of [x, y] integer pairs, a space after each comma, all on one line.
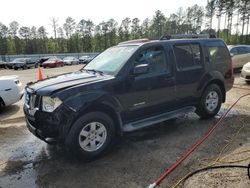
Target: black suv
[[128, 87], [23, 63]]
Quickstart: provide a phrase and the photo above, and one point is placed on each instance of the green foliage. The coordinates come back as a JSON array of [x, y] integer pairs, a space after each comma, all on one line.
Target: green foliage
[[85, 36]]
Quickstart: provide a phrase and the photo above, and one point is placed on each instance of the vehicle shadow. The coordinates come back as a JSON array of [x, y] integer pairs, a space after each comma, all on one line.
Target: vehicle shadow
[[136, 159], [7, 111]]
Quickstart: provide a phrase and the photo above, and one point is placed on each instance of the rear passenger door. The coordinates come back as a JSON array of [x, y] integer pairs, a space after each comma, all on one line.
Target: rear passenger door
[[189, 71]]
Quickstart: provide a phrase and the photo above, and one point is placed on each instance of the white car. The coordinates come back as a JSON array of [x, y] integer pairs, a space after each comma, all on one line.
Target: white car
[[245, 72], [10, 90]]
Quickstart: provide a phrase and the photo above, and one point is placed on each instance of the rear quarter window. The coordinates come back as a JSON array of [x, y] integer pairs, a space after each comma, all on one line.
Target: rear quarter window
[[217, 51]]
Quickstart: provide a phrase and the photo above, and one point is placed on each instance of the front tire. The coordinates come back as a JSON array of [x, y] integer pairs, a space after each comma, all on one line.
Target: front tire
[[1, 103], [91, 135], [210, 102]]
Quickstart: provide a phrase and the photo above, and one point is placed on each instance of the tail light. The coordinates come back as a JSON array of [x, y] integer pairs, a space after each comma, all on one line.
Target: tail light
[[232, 69], [230, 72]]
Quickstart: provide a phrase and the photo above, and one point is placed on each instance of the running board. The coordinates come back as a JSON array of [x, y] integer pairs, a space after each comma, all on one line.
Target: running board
[[156, 119]]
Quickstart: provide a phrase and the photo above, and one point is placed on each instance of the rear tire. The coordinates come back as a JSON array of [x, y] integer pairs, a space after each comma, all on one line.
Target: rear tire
[[210, 102], [91, 135]]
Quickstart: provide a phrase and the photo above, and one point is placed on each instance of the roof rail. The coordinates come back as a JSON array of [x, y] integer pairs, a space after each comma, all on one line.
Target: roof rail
[[184, 36], [135, 41]]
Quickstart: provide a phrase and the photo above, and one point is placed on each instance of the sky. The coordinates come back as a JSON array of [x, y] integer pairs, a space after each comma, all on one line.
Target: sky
[[39, 12]]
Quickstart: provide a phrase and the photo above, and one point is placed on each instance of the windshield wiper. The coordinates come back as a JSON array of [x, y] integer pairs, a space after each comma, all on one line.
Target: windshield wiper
[[93, 70]]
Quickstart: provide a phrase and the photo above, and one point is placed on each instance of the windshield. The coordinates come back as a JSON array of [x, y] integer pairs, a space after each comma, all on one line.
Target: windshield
[[84, 57], [111, 60], [19, 60], [52, 59]]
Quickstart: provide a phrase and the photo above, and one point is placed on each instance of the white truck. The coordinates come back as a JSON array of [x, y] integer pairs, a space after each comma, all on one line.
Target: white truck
[[10, 90]]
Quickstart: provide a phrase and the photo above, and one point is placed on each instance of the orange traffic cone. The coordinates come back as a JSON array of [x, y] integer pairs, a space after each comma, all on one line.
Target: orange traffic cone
[[40, 74]]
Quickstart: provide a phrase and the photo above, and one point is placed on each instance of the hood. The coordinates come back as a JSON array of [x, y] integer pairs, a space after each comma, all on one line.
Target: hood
[[56, 83], [13, 77]]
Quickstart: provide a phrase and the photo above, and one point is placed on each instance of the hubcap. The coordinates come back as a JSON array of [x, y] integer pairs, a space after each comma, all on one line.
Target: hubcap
[[212, 101], [92, 136]]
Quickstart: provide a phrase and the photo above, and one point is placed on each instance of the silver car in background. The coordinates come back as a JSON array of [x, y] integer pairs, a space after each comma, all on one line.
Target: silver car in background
[[70, 60], [240, 55]]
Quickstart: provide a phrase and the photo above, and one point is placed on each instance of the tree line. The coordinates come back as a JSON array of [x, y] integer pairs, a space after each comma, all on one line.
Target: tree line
[[86, 36]]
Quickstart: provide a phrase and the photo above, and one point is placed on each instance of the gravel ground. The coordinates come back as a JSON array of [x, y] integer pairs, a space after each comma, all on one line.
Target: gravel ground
[[136, 160]]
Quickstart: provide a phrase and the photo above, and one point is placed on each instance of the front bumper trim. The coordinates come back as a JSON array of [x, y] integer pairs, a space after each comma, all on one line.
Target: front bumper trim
[[38, 133]]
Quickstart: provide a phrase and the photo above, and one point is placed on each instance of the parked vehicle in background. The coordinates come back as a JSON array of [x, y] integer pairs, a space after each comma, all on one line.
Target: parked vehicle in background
[[240, 55], [10, 90], [245, 72], [43, 59], [2, 64], [130, 86], [53, 62], [35, 61], [70, 61], [21, 63], [85, 59]]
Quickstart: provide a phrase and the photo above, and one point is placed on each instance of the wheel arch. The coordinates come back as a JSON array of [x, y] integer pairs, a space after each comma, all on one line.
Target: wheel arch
[[213, 77], [104, 108], [2, 101]]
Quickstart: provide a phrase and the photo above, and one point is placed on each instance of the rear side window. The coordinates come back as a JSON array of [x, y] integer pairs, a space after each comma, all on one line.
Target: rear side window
[[188, 56], [243, 50], [217, 51]]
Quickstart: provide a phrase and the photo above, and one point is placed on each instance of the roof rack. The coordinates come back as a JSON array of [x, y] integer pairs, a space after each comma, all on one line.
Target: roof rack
[[185, 36], [135, 41]]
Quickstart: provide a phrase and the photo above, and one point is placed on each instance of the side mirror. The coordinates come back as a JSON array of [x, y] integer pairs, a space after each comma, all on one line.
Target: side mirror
[[141, 69], [231, 54]]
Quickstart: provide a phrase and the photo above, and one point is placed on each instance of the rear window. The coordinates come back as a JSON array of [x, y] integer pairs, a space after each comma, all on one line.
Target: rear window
[[188, 56], [243, 50], [217, 51]]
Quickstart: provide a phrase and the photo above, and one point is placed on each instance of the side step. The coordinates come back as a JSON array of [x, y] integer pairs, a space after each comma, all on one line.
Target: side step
[[132, 126]]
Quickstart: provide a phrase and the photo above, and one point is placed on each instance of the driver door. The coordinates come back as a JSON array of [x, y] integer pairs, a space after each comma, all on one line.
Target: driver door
[[152, 92]]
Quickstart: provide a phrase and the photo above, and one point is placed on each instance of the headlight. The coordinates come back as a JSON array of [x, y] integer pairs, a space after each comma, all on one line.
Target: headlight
[[50, 104], [246, 68]]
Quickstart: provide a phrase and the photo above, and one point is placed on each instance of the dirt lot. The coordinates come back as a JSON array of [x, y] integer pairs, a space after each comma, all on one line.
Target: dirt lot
[[136, 160]]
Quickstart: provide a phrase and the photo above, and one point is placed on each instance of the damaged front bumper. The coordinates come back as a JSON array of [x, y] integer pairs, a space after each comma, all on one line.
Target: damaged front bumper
[[49, 127]]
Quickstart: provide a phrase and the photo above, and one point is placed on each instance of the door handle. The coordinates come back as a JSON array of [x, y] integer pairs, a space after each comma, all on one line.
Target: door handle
[[168, 81]]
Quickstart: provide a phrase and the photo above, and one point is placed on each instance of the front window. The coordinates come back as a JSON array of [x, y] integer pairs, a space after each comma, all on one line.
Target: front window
[[155, 58], [111, 60]]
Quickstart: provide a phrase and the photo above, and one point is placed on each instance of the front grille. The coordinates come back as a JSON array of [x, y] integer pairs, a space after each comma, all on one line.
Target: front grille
[[32, 100]]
